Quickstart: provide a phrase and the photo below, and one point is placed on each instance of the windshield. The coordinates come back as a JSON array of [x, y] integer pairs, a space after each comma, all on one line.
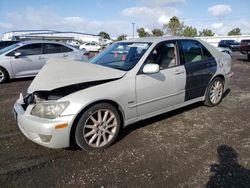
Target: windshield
[[123, 56], [4, 50]]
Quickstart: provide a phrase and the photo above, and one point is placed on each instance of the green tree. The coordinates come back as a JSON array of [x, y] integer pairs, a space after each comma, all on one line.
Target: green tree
[[206, 33], [174, 27], [235, 31], [121, 37], [157, 32], [104, 35], [190, 31], [142, 33]]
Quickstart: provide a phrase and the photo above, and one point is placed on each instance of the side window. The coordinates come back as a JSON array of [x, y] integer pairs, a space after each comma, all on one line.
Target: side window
[[205, 53], [51, 48], [191, 51], [164, 55], [29, 49], [65, 49]]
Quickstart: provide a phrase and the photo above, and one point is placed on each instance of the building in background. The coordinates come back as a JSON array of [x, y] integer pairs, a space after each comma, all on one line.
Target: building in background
[[75, 38]]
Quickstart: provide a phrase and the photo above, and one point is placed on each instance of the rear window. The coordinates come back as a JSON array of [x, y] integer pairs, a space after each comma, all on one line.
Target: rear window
[[245, 40], [194, 51], [50, 48]]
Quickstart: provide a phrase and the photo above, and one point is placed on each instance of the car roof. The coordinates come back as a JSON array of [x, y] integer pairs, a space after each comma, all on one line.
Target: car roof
[[158, 39], [40, 41]]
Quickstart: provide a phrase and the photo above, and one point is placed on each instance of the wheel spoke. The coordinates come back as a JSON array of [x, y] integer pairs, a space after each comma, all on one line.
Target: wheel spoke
[[99, 113], [213, 99], [90, 126], [105, 116], [110, 119], [111, 125], [104, 138], [92, 138], [98, 140], [93, 120], [109, 132], [89, 133]]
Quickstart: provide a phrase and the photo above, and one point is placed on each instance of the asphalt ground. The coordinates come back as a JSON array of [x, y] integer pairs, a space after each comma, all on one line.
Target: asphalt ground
[[195, 146]]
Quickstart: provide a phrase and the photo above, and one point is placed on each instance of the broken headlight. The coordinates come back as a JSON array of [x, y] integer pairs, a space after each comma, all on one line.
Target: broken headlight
[[49, 110]]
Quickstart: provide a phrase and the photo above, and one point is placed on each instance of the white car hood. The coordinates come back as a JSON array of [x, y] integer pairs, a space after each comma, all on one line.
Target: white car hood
[[58, 73]]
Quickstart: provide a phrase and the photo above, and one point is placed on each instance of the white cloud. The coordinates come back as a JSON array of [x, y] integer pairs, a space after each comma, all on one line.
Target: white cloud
[[46, 18], [243, 24], [217, 25], [150, 17], [163, 19], [220, 10]]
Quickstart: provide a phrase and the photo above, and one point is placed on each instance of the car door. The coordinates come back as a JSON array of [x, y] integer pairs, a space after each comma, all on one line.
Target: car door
[[159, 91], [200, 67], [54, 50], [29, 62]]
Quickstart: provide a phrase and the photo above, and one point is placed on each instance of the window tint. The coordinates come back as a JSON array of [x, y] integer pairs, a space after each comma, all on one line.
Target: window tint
[[193, 51], [164, 55], [29, 49], [65, 49], [205, 53], [55, 48]]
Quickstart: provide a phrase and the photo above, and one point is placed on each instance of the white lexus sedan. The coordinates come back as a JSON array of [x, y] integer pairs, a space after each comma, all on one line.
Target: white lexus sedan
[[89, 103]]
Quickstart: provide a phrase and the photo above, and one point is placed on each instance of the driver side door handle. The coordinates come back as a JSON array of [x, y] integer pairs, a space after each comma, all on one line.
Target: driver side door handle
[[177, 71], [40, 57]]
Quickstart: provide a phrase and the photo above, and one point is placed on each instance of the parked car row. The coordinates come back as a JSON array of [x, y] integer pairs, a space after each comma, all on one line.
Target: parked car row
[[25, 59], [89, 103], [231, 44], [227, 46]]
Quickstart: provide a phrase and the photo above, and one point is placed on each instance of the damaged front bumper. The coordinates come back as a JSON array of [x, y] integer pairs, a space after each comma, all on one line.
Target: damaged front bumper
[[52, 133]]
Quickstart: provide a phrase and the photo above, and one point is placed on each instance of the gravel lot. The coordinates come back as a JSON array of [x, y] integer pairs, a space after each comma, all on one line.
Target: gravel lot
[[195, 146]]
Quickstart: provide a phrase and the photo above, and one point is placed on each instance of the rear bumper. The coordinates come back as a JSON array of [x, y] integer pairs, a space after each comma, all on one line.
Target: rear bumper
[[43, 131], [228, 78]]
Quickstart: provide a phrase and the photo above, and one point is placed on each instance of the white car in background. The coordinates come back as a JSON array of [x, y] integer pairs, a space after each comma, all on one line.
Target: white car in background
[[25, 59], [91, 47]]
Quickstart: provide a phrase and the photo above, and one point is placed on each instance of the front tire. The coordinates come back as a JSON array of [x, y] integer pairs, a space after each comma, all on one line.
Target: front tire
[[98, 127], [214, 92], [4, 76]]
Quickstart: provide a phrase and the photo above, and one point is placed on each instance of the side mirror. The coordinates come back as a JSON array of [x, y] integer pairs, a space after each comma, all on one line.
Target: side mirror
[[17, 54], [151, 68]]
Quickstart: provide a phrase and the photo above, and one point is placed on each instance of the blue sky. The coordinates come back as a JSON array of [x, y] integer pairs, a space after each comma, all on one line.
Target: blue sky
[[115, 16]]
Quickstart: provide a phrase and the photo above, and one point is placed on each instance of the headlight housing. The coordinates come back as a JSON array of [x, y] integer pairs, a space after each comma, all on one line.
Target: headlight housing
[[49, 110]]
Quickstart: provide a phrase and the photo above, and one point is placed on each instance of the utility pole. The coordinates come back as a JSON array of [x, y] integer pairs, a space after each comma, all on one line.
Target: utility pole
[[133, 29]]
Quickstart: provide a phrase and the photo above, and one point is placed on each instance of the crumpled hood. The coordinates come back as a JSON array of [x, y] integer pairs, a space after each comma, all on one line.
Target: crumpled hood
[[58, 73]]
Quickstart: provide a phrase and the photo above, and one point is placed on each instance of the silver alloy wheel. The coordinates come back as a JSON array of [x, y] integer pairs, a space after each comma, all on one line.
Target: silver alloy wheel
[[1, 75], [100, 128], [216, 92]]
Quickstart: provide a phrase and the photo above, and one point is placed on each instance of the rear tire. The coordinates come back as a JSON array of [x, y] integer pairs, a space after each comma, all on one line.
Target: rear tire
[[4, 76], [98, 127], [214, 93]]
